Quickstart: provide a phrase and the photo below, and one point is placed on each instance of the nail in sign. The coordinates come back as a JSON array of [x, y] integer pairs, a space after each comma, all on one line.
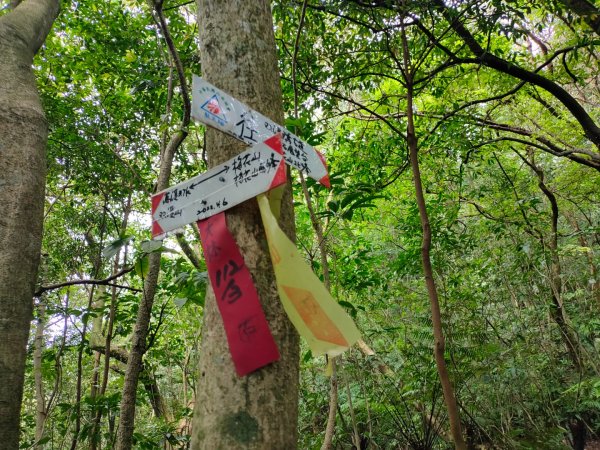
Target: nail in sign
[[252, 172], [219, 110]]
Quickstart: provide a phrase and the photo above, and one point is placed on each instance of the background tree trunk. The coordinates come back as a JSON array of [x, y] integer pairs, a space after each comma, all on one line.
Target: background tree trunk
[[260, 410], [439, 344], [23, 135], [40, 396], [135, 362]]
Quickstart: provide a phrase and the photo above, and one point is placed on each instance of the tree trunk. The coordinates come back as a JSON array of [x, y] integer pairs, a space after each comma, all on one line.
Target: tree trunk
[[23, 135], [159, 407], [436, 316], [555, 273], [96, 338], [140, 332], [260, 410], [40, 397], [157, 401]]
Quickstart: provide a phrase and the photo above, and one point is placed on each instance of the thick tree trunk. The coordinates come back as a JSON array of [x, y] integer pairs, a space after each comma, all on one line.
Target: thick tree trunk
[[258, 411], [23, 134]]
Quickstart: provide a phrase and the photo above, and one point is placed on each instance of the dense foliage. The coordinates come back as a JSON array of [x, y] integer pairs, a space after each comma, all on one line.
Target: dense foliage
[[506, 99]]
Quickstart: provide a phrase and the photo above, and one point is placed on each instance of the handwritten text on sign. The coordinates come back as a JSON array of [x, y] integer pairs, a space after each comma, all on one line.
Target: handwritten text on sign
[[250, 173], [223, 112]]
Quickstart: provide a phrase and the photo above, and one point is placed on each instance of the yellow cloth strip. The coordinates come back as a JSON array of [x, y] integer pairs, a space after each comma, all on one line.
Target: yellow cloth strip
[[316, 315], [275, 196]]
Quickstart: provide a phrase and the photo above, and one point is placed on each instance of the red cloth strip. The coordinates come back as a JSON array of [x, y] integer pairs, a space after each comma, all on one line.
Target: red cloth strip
[[250, 341]]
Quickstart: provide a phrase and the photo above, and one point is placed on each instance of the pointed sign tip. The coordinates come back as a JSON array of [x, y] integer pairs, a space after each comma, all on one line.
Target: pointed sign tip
[[275, 143], [280, 176], [325, 181], [156, 229], [322, 158], [156, 201]]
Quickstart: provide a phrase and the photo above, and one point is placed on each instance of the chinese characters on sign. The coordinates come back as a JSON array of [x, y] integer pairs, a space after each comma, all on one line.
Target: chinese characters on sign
[[226, 277], [214, 107], [250, 173], [202, 199]]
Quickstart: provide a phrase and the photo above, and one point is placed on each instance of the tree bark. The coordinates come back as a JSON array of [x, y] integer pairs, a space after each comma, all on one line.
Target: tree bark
[[555, 272], [23, 135], [148, 380], [260, 410], [96, 338]]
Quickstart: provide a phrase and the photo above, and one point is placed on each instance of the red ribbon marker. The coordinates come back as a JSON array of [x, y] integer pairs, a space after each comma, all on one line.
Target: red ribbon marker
[[250, 341]]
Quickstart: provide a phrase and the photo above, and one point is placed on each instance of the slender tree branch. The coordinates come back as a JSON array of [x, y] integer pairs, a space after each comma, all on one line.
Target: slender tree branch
[[372, 28], [358, 104], [139, 343], [188, 251], [591, 130], [179, 5], [105, 281], [531, 229]]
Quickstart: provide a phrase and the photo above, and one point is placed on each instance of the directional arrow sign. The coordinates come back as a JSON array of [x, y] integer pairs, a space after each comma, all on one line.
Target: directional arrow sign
[[214, 107], [257, 170]]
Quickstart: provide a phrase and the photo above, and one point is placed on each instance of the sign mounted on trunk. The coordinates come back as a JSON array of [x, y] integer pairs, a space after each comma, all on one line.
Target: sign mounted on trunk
[[252, 172], [219, 110]]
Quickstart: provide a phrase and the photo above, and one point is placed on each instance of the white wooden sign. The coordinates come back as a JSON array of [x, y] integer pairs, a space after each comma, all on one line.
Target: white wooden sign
[[252, 172], [219, 110]]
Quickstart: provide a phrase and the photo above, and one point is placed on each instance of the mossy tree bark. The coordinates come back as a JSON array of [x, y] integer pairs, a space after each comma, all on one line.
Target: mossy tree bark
[[23, 135], [260, 410]]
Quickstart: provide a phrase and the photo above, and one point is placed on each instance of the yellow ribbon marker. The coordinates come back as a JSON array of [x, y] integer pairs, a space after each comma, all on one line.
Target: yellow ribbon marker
[[316, 315]]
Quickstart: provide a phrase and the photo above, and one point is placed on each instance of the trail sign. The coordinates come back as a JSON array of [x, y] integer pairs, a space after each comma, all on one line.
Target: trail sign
[[219, 110], [252, 172]]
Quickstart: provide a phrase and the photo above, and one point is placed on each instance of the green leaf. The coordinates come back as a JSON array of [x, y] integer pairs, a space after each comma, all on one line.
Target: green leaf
[[113, 248], [350, 306], [150, 246], [142, 266], [291, 124], [43, 440], [130, 56], [307, 356], [180, 301]]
